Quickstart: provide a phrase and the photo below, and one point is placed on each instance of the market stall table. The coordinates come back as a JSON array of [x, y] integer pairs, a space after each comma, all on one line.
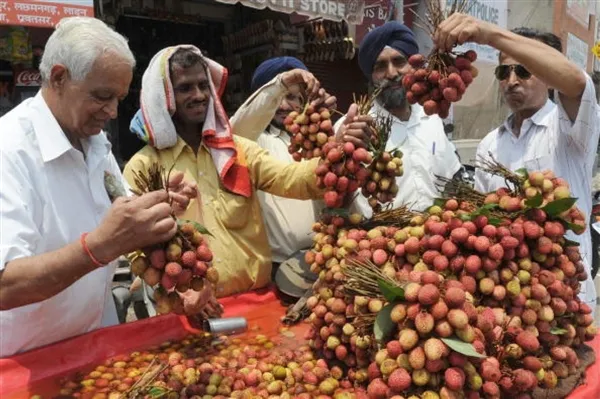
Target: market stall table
[[39, 371]]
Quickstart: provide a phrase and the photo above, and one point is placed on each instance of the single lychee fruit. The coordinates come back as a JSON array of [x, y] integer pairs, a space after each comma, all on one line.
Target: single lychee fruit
[[394, 349], [454, 378], [458, 318], [454, 297], [439, 310], [399, 381], [434, 349], [377, 389], [398, 313], [204, 254], [428, 294], [459, 235], [416, 358], [424, 323], [527, 341], [173, 269], [408, 338], [188, 259]]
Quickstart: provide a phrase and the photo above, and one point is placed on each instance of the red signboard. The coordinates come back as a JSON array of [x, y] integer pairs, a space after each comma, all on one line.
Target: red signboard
[[376, 13], [42, 13]]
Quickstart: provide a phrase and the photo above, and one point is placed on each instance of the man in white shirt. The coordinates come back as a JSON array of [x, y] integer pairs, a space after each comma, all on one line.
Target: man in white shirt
[[288, 221], [383, 58], [59, 233], [540, 134]]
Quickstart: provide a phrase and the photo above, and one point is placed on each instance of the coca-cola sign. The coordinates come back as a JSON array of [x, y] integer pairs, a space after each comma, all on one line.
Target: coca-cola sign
[[28, 78]]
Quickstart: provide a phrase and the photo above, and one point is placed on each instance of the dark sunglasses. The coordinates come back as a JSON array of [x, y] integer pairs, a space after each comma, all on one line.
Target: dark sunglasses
[[502, 72]]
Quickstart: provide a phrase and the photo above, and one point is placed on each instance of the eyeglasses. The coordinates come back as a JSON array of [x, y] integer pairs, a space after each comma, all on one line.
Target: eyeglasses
[[502, 72]]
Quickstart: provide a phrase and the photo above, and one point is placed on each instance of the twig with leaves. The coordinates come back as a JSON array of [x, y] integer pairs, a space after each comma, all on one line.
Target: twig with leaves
[[490, 165]]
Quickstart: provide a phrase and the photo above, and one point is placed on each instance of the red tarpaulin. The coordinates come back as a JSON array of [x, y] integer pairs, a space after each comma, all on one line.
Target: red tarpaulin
[[38, 371]]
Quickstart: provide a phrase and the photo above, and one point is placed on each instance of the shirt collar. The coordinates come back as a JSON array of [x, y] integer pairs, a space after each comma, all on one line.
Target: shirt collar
[[540, 118], [52, 140]]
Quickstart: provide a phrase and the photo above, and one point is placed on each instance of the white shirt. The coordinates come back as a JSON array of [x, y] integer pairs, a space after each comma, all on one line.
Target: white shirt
[[289, 221], [549, 140], [51, 195], [427, 152]]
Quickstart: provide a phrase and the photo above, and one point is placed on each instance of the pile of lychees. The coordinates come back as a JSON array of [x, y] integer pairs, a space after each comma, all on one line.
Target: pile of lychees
[[183, 263], [481, 299]]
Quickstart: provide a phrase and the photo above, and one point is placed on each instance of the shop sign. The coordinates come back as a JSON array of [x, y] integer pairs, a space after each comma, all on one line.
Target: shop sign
[[580, 11], [376, 13], [28, 78], [577, 51], [336, 10], [492, 11], [41, 13]]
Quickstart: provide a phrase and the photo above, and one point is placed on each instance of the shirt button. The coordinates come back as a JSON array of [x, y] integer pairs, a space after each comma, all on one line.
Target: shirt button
[[200, 174]]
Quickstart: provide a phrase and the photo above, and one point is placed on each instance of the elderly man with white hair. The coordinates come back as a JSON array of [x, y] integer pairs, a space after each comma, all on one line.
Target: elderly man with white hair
[[60, 234]]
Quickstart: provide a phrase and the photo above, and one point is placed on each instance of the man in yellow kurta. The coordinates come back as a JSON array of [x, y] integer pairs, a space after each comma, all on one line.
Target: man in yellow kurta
[[185, 125]]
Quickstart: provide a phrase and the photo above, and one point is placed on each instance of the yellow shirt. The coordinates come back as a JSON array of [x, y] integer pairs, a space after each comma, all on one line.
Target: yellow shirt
[[241, 250]]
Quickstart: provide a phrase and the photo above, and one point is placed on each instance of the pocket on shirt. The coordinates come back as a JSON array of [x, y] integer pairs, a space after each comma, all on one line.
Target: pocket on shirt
[[234, 210]]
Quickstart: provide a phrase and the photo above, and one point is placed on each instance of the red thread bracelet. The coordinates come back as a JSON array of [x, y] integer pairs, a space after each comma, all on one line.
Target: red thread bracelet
[[88, 252]]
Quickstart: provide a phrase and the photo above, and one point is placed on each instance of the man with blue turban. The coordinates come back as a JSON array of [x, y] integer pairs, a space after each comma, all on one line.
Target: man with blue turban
[[383, 58], [288, 221]]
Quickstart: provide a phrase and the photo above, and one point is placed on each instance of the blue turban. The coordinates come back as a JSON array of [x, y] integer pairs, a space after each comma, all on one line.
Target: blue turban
[[392, 34], [273, 67]]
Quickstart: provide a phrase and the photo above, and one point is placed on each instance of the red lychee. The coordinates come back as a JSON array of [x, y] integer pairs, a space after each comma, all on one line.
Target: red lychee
[[173, 269], [454, 297], [399, 381], [429, 294], [459, 235], [204, 254], [377, 389], [527, 341], [188, 259], [454, 378]]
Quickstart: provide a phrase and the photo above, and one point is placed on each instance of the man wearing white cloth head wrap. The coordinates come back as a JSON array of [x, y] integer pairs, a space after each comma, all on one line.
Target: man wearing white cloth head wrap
[[185, 125]]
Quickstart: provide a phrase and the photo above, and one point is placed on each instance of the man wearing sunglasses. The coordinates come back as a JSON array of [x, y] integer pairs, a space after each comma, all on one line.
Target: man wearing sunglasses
[[539, 134]]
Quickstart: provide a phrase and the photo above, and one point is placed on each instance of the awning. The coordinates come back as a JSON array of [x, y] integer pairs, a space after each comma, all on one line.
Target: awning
[[335, 10], [42, 13]]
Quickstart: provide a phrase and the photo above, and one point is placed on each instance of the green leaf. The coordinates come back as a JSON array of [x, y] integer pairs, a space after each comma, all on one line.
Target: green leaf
[[570, 243], [343, 212], [157, 392], [462, 347], [465, 217], [523, 172], [495, 221], [391, 292], [535, 202], [558, 331], [557, 207], [383, 323], [197, 226], [439, 202]]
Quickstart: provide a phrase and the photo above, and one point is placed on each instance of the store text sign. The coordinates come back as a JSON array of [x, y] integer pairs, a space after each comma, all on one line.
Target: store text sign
[[43, 13], [336, 10]]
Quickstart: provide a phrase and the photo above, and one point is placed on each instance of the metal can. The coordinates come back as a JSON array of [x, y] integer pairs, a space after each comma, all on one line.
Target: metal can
[[231, 325]]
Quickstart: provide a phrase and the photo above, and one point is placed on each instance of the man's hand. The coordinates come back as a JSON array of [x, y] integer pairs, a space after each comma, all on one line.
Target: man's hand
[[356, 129], [294, 78], [324, 99], [461, 28], [181, 192], [201, 304], [132, 223]]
